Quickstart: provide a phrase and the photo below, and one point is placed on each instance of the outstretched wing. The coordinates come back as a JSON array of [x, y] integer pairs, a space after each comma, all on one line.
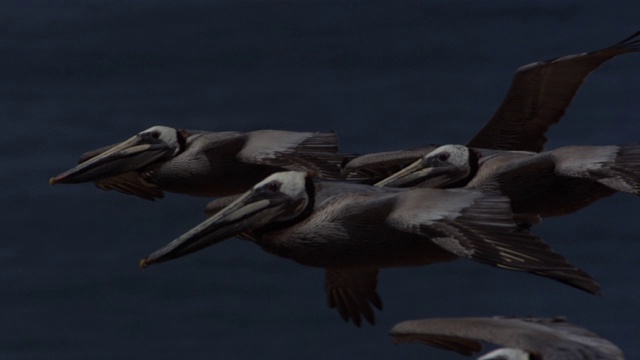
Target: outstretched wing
[[615, 166], [480, 226], [539, 96]]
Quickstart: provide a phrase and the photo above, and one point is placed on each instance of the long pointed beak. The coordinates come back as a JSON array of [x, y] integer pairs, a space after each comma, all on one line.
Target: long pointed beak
[[407, 176], [242, 214], [132, 154]]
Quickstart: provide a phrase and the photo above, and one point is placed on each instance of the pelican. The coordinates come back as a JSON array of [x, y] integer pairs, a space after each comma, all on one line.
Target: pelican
[[550, 183], [203, 163], [352, 230], [525, 338], [538, 97]]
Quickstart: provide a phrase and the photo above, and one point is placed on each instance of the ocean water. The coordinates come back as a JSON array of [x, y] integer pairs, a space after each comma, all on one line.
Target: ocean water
[[77, 75]]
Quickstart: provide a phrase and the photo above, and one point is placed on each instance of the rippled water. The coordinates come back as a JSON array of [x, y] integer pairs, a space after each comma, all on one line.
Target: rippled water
[[384, 75]]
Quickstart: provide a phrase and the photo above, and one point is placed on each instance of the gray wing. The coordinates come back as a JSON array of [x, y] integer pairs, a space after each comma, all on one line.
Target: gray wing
[[462, 335], [374, 167], [480, 226], [549, 338], [300, 151], [353, 292], [563, 180], [539, 95], [615, 166], [535, 187]]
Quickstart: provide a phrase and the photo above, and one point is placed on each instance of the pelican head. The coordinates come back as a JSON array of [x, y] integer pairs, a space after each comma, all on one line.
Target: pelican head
[[141, 150], [443, 166], [279, 199]]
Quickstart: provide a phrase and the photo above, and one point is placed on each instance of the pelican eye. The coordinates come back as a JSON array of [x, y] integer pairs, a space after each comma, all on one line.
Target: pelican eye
[[274, 186], [443, 156], [155, 134]]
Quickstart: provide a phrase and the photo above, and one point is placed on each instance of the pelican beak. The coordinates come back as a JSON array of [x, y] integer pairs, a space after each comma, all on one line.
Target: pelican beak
[[411, 174], [422, 173], [247, 212], [132, 154]]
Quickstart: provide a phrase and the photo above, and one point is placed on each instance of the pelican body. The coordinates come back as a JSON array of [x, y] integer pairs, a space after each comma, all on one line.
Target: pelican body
[[525, 338], [203, 163], [550, 183], [538, 97], [352, 230]]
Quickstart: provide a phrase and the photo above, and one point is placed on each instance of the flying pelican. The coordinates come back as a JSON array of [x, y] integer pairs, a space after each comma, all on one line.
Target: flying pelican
[[203, 163], [550, 183], [352, 230], [538, 97], [526, 338]]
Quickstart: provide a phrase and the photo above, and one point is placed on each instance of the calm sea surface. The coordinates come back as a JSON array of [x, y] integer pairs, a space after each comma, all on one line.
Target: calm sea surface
[[77, 75]]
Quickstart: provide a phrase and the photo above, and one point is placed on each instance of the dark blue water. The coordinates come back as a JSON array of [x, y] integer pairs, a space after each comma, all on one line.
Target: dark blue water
[[76, 75]]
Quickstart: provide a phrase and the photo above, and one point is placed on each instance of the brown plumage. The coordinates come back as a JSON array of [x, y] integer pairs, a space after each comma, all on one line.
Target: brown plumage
[[203, 163], [550, 183], [539, 96], [353, 230]]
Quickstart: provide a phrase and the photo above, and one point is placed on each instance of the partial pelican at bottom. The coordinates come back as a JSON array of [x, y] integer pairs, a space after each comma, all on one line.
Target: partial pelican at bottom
[[525, 338]]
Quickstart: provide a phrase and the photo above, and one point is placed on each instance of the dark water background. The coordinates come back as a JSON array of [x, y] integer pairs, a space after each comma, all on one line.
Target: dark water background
[[76, 75]]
